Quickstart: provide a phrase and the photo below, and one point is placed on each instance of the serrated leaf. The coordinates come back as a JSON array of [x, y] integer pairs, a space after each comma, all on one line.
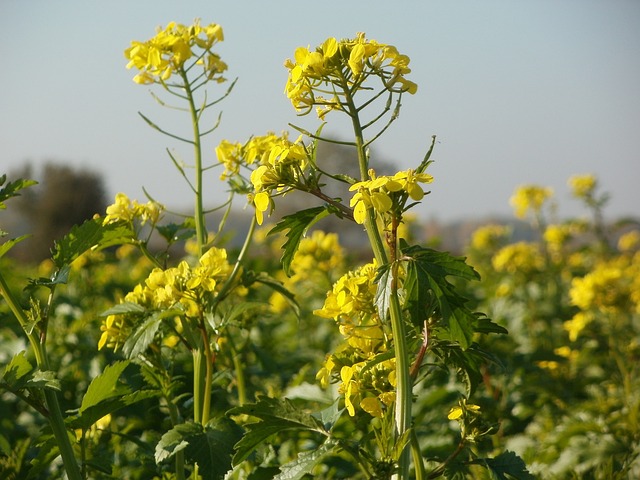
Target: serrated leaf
[[305, 462], [297, 225], [19, 374], [275, 415], [48, 451], [11, 189], [9, 244], [427, 288], [506, 466], [92, 414], [468, 362], [17, 369], [140, 339], [209, 446], [105, 385], [383, 291], [124, 307], [486, 325], [91, 234]]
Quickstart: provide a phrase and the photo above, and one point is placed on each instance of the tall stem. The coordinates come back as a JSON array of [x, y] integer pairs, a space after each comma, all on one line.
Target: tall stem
[[403, 378], [201, 230], [56, 420]]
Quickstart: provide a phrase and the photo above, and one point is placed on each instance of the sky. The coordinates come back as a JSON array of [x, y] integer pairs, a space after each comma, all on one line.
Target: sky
[[517, 92]]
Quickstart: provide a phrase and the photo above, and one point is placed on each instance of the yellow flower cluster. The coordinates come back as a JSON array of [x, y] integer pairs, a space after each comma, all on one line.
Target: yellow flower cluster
[[166, 53], [489, 237], [186, 288], [338, 64], [519, 257], [318, 258], [582, 186], [529, 198], [126, 210], [612, 287], [280, 165], [366, 383], [378, 192]]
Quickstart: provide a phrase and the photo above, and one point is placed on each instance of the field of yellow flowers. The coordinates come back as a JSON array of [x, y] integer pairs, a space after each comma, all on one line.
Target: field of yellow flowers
[[146, 348]]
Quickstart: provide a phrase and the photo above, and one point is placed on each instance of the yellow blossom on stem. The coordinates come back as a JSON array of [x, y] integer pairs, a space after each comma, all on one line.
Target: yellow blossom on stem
[[530, 198], [377, 193], [166, 53], [334, 65], [582, 186]]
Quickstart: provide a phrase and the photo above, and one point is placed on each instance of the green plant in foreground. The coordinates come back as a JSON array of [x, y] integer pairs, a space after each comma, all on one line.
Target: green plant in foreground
[[404, 327]]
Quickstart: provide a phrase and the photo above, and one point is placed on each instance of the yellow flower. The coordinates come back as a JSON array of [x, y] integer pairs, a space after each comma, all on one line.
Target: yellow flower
[[529, 198], [582, 186], [114, 332], [325, 68], [167, 52], [518, 257], [377, 192], [629, 242], [489, 237], [372, 406], [121, 210]]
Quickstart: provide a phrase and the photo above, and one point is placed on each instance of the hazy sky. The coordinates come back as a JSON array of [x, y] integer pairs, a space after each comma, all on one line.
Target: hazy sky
[[516, 91]]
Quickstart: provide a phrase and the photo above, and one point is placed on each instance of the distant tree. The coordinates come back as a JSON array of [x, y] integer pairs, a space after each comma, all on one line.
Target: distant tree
[[64, 197]]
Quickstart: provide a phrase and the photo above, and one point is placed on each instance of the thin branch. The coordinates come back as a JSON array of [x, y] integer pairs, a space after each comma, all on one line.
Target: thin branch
[[169, 134]]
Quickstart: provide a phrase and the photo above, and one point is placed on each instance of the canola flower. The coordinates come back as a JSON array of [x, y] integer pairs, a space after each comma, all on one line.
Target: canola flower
[[489, 237], [279, 166], [519, 257], [167, 53], [319, 258], [126, 210], [582, 186], [365, 384], [186, 289], [611, 288], [379, 193], [340, 65], [530, 198]]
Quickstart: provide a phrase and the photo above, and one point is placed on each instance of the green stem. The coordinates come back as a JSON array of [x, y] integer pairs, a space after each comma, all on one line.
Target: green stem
[[174, 415], [201, 230], [56, 420], [404, 384], [198, 383]]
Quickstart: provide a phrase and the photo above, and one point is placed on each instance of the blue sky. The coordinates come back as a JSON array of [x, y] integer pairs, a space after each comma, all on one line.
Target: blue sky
[[516, 91]]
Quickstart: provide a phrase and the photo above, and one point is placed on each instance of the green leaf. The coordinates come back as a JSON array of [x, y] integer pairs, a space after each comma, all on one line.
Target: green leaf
[[11, 189], [467, 362], [124, 307], [506, 466], [105, 385], [383, 292], [92, 414], [275, 416], [427, 290], [209, 446], [9, 244], [140, 339], [91, 234], [19, 374], [305, 463], [297, 225]]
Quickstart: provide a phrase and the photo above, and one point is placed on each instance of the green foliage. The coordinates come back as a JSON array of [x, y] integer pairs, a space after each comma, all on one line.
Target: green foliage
[[90, 235], [296, 226], [11, 189], [274, 416], [210, 447]]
